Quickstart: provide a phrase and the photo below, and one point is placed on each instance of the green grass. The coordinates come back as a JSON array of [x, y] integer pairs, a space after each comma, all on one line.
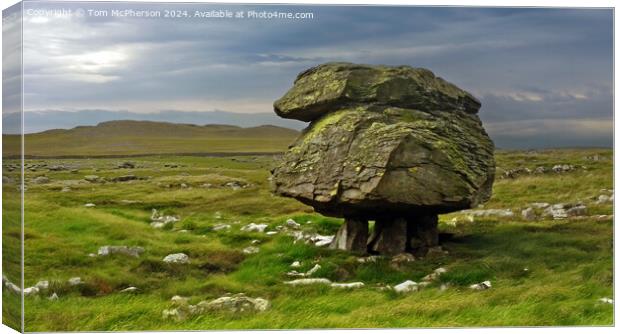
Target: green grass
[[569, 263]]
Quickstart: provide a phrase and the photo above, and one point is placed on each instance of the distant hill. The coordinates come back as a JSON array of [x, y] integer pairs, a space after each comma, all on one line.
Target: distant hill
[[146, 137], [37, 121]]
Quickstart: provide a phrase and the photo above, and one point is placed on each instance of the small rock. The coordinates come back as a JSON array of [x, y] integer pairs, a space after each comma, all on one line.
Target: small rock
[[435, 274], [180, 258], [42, 285], [33, 290], [271, 233], [251, 250], [91, 178], [292, 224], [126, 164], [602, 199], [353, 285], [296, 264], [308, 281], [90, 205], [540, 205], [235, 303], [178, 300], [528, 214], [254, 228], [491, 212], [129, 289], [481, 286], [220, 227], [75, 281], [130, 251], [41, 180], [606, 300], [368, 259], [406, 286], [53, 297], [65, 190]]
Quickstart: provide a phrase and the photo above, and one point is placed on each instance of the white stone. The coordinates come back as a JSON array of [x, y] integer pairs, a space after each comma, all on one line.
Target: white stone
[[177, 258], [292, 224], [296, 264], [481, 286], [271, 233], [42, 285], [254, 228], [90, 205], [33, 290], [251, 250], [53, 297], [368, 259], [606, 300], [308, 281], [353, 285], [220, 227], [74, 281], [528, 214], [406, 286], [129, 289]]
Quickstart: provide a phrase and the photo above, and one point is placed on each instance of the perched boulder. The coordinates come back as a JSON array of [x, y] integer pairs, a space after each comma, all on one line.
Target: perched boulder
[[391, 144]]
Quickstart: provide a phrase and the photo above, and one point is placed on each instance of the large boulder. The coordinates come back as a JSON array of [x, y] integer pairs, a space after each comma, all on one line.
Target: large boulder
[[384, 143]]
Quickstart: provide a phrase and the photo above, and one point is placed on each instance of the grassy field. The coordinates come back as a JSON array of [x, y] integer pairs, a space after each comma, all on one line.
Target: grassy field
[[144, 137], [544, 272]]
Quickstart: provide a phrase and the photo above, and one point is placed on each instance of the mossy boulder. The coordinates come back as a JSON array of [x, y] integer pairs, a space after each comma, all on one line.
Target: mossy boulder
[[384, 143], [319, 90]]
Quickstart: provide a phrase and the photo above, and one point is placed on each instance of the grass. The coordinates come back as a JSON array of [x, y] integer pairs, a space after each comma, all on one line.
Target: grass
[[569, 262]]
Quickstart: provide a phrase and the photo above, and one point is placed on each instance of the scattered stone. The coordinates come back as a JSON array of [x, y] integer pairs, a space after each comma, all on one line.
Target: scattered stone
[[130, 289], [65, 190], [125, 178], [53, 297], [354, 285], [91, 178], [539, 205], [126, 165], [251, 250], [159, 220], [296, 264], [481, 286], [255, 242], [369, 259], [178, 300], [41, 180], [220, 227], [606, 300], [292, 224], [308, 281], [271, 233], [400, 260], [435, 274], [75, 281], [254, 228], [528, 214], [604, 199], [180, 258], [90, 205], [563, 168], [313, 270], [491, 212], [33, 290], [406, 286], [563, 211], [236, 303], [42, 285], [130, 251]]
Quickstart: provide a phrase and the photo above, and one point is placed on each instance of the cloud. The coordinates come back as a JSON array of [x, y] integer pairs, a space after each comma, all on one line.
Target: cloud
[[524, 64]]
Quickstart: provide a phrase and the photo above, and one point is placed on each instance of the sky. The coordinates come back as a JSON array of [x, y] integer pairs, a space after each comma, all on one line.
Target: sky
[[544, 76]]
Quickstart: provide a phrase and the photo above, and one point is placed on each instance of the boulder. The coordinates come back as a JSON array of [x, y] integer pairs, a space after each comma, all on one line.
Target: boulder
[[391, 144], [181, 258]]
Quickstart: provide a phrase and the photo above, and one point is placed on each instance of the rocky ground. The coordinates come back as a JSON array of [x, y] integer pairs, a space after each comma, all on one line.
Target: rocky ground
[[201, 243]]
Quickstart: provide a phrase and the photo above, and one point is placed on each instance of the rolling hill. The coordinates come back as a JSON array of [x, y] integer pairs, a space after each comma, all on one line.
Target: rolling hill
[[119, 138]]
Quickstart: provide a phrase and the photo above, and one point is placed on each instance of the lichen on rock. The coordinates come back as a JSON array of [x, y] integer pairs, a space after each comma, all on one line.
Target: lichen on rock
[[384, 143]]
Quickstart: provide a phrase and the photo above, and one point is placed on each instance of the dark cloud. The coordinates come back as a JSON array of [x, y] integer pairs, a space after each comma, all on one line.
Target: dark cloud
[[526, 65]]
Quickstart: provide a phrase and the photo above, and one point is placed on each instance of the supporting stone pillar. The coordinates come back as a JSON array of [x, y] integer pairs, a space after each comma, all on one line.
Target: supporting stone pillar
[[389, 237], [422, 234], [351, 236]]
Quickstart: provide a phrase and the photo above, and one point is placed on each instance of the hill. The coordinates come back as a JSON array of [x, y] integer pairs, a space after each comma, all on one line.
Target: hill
[[116, 138]]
